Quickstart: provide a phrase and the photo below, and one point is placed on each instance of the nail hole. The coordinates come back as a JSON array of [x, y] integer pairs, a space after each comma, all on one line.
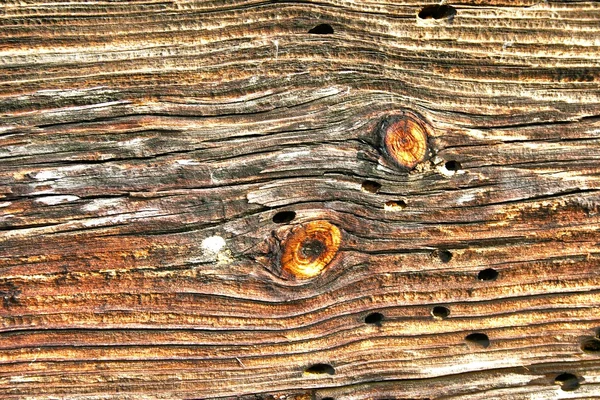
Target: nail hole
[[453, 165], [567, 381], [320, 369], [374, 318], [444, 255], [591, 345], [322, 29], [440, 312], [394, 205], [283, 217], [370, 186], [488, 274], [437, 12], [478, 339]]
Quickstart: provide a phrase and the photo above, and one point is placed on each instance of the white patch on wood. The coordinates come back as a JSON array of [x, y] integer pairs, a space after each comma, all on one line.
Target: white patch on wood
[[132, 142], [5, 204], [465, 198], [276, 43], [487, 135], [187, 162], [47, 176], [213, 244], [99, 204], [292, 155], [53, 200]]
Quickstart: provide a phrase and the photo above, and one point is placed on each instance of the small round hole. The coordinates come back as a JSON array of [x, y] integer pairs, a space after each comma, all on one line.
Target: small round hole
[[396, 205], [374, 318], [322, 29], [567, 381], [320, 369], [478, 340], [453, 165], [440, 312], [591, 345], [488, 274], [370, 186], [444, 255], [283, 217], [437, 12]]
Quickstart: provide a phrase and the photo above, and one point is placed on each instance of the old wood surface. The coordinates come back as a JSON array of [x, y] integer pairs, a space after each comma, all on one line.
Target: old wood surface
[[201, 199]]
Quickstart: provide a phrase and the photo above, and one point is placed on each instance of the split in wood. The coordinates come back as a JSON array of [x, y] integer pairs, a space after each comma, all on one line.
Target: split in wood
[[310, 248]]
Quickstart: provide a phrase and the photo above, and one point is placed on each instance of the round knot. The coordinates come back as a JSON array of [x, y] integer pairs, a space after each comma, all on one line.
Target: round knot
[[310, 248], [405, 140]]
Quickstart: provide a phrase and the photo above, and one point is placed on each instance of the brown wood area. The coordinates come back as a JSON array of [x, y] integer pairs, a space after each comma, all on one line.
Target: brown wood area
[[319, 200]]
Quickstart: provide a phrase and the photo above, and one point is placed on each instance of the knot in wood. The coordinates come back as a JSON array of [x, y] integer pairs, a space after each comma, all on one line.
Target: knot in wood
[[310, 248], [404, 140]]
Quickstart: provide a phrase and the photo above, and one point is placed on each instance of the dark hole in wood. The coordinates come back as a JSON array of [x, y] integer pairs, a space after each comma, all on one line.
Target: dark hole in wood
[[444, 255], [312, 248], [327, 398], [437, 12], [371, 186], [488, 274], [395, 205], [478, 339], [453, 165], [440, 312], [322, 29], [320, 369], [283, 217], [591, 345], [374, 318], [567, 381]]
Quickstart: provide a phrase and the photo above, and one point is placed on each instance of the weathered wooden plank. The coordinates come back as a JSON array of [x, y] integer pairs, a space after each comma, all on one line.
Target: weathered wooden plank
[[205, 200]]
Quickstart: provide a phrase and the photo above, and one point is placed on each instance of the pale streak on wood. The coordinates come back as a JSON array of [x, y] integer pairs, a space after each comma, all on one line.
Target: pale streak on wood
[[146, 147]]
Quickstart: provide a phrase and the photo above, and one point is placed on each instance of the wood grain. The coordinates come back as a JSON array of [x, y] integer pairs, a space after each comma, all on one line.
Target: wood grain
[[158, 159]]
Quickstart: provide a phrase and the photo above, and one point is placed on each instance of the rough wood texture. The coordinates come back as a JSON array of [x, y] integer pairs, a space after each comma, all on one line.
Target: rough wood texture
[[199, 199]]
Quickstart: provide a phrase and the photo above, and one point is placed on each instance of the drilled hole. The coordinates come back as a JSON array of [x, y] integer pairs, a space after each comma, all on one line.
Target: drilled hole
[[322, 29], [567, 381], [374, 318], [437, 12], [370, 186], [284, 217], [440, 312], [591, 345], [453, 165], [488, 274], [478, 339], [320, 369], [444, 255], [394, 205]]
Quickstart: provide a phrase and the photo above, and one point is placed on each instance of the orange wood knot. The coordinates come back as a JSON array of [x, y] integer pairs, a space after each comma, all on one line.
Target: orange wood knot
[[405, 139], [310, 248]]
